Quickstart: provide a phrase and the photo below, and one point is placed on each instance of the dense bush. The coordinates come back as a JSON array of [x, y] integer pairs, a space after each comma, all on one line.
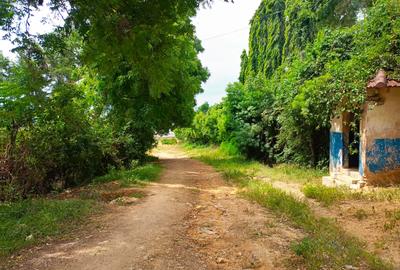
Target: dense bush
[[307, 62], [208, 126]]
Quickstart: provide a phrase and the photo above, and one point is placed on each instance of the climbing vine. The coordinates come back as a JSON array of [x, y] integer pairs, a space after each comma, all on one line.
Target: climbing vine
[[312, 61]]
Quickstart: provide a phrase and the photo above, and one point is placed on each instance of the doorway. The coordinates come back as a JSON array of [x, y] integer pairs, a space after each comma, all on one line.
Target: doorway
[[352, 142]]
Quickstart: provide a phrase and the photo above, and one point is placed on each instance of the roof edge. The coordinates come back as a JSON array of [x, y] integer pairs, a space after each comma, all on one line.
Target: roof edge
[[382, 81]]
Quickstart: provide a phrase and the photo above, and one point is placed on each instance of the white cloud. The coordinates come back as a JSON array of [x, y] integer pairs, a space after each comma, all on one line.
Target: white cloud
[[224, 31]]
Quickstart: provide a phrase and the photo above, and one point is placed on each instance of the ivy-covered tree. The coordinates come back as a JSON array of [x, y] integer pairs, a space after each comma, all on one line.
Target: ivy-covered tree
[[307, 62]]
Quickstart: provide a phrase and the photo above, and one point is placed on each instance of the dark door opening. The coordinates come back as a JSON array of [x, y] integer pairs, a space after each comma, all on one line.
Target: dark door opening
[[353, 143], [354, 149]]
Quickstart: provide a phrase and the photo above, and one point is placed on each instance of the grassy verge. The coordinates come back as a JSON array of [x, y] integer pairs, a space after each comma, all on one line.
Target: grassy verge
[[28, 222], [326, 245], [282, 172], [169, 141], [308, 179], [136, 176], [330, 195]]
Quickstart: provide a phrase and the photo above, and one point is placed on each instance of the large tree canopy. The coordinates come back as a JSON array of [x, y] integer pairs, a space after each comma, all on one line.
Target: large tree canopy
[[142, 51], [92, 93]]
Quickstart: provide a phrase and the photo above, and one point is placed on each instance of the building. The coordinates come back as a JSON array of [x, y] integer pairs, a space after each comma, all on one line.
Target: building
[[367, 151]]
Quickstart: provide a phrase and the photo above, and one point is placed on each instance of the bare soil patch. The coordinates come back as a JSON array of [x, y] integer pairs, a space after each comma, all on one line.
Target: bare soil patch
[[370, 221]]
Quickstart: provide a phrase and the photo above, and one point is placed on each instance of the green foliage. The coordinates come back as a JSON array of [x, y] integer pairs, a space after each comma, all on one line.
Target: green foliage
[[307, 62], [26, 222], [326, 195], [281, 29], [92, 94], [134, 176], [208, 126], [169, 141], [229, 149]]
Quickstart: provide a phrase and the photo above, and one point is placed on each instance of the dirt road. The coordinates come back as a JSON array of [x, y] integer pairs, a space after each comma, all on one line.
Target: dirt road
[[191, 220]]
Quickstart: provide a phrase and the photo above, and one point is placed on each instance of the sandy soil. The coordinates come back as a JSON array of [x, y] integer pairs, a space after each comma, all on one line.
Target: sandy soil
[[190, 219], [369, 221]]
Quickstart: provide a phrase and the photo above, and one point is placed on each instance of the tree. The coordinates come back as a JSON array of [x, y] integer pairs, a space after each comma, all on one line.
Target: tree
[[93, 93]]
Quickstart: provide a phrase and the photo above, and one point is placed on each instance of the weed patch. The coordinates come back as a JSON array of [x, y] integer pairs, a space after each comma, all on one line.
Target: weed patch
[[169, 141], [330, 195], [393, 220], [27, 222], [326, 195], [361, 214], [326, 246], [136, 176]]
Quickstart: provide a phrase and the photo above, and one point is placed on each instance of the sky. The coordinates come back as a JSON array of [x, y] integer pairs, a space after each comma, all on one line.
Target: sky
[[223, 29], [42, 21]]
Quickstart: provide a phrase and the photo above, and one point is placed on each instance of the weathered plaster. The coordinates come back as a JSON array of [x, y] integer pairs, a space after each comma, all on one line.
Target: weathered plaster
[[381, 151], [336, 151], [337, 124], [383, 155]]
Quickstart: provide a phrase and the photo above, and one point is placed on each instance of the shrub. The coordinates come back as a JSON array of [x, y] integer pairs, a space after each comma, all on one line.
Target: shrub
[[169, 141]]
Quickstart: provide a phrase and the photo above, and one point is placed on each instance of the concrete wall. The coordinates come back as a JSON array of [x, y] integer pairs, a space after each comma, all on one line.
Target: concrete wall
[[381, 138]]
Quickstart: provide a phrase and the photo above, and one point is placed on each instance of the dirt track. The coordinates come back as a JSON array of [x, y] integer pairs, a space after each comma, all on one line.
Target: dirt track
[[190, 220]]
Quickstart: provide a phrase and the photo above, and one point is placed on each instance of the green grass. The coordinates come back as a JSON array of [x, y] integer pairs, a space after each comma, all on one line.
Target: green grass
[[27, 222], [326, 195], [330, 195], [136, 176], [169, 141], [293, 174], [221, 158], [393, 219], [30, 221], [326, 246]]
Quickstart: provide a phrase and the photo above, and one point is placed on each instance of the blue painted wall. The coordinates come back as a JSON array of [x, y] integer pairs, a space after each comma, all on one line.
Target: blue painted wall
[[383, 155], [336, 148]]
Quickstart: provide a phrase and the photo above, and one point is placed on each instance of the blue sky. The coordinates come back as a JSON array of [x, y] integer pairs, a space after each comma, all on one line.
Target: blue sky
[[223, 29]]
